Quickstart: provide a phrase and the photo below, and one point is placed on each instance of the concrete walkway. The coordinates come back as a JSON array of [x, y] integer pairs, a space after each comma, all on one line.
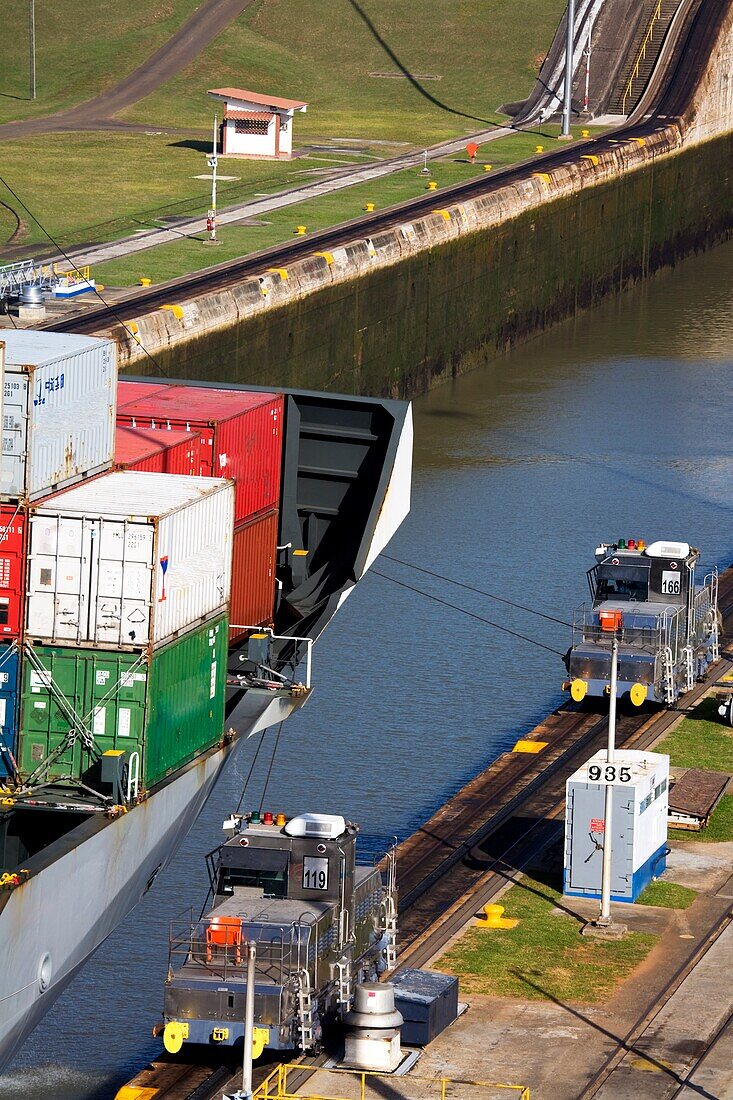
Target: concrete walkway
[[255, 208]]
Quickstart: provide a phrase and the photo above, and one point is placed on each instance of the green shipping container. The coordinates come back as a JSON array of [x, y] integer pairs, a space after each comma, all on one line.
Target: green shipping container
[[169, 707]]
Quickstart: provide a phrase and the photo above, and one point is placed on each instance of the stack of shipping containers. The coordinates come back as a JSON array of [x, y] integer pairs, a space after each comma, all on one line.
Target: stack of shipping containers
[[58, 426], [240, 437], [121, 546], [127, 614]]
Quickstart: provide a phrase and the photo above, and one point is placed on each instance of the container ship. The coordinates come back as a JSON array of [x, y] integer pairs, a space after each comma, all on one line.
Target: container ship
[[169, 553]]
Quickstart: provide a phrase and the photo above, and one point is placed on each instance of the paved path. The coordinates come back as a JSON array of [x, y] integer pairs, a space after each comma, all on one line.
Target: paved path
[[662, 1057], [255, 208], [208, 21]]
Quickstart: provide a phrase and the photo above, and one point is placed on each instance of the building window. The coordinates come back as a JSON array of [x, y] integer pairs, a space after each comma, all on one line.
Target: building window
[[250, 126], [283, 122]]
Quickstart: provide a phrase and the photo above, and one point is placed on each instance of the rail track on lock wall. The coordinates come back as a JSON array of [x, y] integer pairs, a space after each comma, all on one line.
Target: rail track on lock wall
[[667, 96], [478, 843], [511, 813]]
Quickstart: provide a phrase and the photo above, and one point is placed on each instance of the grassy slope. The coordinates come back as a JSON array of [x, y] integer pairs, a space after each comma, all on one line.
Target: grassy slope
[[700, 741], [543, 957], [121, 180], [668, 895], [485, 51], [81, 49], [169, 260]]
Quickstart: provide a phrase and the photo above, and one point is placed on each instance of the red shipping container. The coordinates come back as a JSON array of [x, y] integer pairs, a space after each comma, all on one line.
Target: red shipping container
[[241, 437], [133, 391], [12, 569], [254, 558], [157, 452]]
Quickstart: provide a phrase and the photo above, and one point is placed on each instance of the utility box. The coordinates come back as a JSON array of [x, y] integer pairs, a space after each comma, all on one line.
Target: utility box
[[640, 782], [428, 1003]]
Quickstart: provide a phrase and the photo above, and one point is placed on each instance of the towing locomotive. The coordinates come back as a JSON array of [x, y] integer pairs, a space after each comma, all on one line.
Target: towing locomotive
[[319, 922], [667, 626]]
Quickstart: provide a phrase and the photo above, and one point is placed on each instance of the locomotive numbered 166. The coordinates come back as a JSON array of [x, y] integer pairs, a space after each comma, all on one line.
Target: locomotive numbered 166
[[320, 924], [667, 626]]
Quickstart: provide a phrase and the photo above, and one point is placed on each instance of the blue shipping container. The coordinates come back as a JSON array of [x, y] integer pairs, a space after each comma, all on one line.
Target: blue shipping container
[[9, 668]]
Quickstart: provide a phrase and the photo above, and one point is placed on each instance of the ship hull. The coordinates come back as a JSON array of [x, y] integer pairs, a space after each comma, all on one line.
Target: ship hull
[[344, 509], [55, 920]]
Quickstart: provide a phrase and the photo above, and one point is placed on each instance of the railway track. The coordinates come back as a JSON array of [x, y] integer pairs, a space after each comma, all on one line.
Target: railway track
[[688, 1087], [477, 844], [461, 858], [631, 1042], [667, 96]]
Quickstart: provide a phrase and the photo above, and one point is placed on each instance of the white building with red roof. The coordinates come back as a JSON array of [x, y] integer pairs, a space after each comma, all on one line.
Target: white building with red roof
[[256, 125]]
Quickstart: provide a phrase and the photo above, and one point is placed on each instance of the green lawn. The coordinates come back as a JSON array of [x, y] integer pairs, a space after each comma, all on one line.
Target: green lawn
[[544, 957], [700, 741], [720, 826], [182, 255], [91, 187], [484, 52], [668, 895], [80, 49]]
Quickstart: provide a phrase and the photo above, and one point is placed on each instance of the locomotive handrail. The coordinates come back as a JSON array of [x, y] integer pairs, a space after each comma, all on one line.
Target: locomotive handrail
[[665, 632]]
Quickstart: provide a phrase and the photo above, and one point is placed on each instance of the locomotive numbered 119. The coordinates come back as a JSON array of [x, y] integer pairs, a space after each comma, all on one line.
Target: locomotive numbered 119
[[666, 625], [320, 924]]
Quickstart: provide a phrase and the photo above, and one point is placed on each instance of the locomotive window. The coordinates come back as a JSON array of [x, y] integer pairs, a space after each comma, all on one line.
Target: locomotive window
[[621, 582], [273, 883]]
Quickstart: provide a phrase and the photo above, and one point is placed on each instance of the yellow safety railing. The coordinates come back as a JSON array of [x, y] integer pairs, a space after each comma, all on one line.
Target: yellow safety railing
[[78, 275], [275, 1086], [655, 17]]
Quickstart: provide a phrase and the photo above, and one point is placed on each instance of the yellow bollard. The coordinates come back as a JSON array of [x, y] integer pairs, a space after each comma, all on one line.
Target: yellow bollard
[[432, 186], [494, 919], [585, 133], [301, 230], [368, 206], [145, 282], [488, 167], [539, 148]]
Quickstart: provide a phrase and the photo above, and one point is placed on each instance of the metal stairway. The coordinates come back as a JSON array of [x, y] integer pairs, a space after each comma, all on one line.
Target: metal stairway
[[642, 56]]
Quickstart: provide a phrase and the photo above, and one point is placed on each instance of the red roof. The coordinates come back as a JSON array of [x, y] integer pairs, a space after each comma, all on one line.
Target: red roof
[[257, 97], [250, 116]]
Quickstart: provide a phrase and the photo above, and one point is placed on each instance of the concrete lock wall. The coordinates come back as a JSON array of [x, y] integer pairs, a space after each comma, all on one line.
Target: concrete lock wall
[[426, 300]]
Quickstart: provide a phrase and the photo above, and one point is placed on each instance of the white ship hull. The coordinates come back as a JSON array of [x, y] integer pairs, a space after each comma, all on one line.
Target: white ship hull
[[52, 923], [81, 886]]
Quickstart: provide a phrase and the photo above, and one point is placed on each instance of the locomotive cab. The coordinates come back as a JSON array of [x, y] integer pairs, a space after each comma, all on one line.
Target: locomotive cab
[[666, 626], [319, 923]]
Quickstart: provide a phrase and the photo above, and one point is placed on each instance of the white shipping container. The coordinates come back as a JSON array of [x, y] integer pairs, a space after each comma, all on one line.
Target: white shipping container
[[130, 559], [59, 402]]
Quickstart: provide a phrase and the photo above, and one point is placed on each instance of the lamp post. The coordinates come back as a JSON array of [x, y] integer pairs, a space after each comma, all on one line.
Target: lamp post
[[569, 36], [245, 1092], [588, 50], [604, 917], [212, 160], [32, 45]]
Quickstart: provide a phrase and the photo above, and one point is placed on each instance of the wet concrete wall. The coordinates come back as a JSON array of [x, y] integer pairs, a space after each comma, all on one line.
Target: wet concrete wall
[[429, 299]]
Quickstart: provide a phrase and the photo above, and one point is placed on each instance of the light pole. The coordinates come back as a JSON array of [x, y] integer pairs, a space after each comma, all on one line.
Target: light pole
[[569, 36], [587, 71], [604, 917], [212, 160], [249, 1022], [32, 45]]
